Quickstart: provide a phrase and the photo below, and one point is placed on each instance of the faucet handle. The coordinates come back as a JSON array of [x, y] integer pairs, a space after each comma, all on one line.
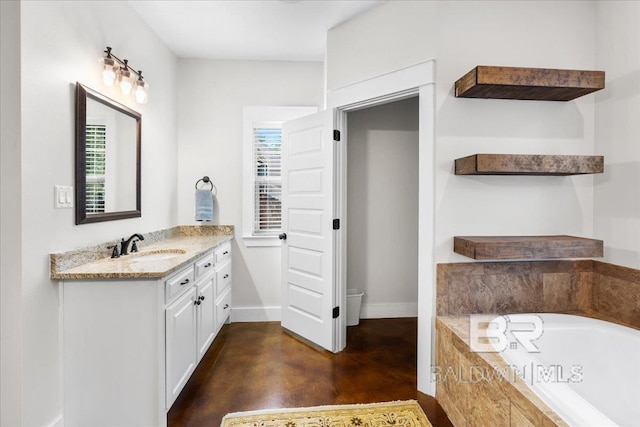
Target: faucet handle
[[115, 253], [134, 247], [123, 247]]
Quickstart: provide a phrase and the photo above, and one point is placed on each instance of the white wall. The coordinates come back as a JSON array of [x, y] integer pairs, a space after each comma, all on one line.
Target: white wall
[[382, 219], [617, 191], [546, 34], [461, 35], [211, 96], [393, 35], [61, 44], [10, 218]]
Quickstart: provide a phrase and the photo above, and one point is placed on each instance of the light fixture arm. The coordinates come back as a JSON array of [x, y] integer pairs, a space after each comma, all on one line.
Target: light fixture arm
[[116, 69], [124, 63]]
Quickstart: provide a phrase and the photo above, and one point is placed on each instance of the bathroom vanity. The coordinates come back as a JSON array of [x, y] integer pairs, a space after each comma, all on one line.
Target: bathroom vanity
[[135, 328]]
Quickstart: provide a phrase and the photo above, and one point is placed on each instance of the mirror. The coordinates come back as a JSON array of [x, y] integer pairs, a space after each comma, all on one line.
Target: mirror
[[107, 158]]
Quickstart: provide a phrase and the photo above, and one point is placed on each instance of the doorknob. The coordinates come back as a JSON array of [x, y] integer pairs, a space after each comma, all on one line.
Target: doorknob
[[282, 236]]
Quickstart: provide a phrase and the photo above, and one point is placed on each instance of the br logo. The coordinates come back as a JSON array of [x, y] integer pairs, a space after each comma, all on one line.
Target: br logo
[[494, 334]]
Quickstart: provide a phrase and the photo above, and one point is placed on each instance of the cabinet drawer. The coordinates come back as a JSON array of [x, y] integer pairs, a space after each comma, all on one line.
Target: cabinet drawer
[[223, 252], [204, 265], [223, 278], [223, 308], [179, 282]]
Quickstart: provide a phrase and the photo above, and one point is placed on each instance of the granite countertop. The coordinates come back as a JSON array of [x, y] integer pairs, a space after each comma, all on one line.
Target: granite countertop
[[96, 263]]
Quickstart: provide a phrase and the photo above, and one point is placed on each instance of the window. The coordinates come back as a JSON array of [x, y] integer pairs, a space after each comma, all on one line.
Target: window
[[268, 180], [262, 174], [95, 167]]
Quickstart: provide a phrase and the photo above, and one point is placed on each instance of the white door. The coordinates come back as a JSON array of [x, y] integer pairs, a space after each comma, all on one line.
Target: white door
[[308, 295]]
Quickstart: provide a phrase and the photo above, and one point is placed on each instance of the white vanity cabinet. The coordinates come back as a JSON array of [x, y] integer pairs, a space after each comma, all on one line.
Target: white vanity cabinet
[[130, 345], [190, 323]]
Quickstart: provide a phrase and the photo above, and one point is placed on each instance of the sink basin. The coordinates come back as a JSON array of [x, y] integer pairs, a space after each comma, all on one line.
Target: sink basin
[[159, 255]]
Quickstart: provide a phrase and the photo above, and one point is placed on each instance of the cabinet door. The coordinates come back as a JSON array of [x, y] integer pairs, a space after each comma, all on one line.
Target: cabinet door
[[181, 343], [206, 315]]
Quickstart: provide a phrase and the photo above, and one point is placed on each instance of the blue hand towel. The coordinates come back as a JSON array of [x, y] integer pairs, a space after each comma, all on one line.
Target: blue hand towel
[[204, 205]]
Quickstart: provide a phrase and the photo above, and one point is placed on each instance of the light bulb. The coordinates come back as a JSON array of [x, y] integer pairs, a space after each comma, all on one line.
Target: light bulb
[[141, 95], [125, 80], [108, 76], [125, 87], [109, 71], [140, 91]]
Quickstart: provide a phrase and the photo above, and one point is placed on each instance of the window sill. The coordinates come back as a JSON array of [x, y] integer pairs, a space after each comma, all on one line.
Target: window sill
[[261, 241]]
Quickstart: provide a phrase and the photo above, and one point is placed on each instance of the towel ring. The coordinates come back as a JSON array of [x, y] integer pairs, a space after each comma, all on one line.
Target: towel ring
[[206, 180]]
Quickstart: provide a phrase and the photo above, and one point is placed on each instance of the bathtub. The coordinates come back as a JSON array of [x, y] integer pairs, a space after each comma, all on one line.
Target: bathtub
[[586, 370]]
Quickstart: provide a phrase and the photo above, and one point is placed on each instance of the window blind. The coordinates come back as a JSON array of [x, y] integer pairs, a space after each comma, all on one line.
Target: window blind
[[267, 181], [95, 167]]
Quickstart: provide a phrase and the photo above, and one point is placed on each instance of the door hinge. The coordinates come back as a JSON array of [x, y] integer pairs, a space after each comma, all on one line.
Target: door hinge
[[336, 312], [336, 224], [336, 135]]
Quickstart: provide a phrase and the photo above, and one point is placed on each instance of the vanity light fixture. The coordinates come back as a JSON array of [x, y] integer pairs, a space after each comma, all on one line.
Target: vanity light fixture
[[118, 70]]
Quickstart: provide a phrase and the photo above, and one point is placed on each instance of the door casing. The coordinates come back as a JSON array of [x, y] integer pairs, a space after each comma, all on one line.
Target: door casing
[[416, 80]]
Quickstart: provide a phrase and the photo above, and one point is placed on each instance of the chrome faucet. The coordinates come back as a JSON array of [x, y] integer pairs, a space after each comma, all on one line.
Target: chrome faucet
[[124, 244]]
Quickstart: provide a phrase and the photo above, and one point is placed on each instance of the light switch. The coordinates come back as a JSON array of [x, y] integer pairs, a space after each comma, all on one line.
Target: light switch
[[63, 196], [68, 196]]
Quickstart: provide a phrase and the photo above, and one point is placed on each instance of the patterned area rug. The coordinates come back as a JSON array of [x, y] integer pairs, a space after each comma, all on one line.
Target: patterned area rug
[[396, 414]]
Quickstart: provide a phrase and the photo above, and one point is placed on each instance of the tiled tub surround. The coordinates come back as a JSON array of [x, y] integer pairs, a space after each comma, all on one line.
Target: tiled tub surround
[[480, 388], [589, 288], [466, 394], [95, 262], [616, 292], [539, 287]]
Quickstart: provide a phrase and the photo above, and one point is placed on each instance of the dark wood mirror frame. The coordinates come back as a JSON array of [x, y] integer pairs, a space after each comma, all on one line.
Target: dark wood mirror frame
[[82, 94]]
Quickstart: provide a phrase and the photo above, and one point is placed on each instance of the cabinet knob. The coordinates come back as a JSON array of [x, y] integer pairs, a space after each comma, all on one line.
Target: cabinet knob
[[225, 252], [184, 282], [225, 306], [201, 297], [282, 236], [225, 276], [198, 302], [207, 265]]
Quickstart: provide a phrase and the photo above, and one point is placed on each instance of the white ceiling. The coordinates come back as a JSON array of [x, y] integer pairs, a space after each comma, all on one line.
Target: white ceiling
[[290, 30]]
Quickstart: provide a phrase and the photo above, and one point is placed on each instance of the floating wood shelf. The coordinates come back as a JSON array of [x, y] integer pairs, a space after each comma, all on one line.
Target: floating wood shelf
[[528, 164], [541, 84], [527, 247]]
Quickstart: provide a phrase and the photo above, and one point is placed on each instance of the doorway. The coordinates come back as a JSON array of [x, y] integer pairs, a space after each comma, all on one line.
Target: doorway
[[382, 208], [415, 80], [314, 257]]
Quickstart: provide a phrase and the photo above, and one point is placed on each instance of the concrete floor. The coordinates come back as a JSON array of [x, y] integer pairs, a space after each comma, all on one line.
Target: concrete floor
[[253, 366]]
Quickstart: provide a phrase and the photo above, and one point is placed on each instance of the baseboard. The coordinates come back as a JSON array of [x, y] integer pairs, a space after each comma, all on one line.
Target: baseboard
[[368, 311], [255, 314], [58, 422], [389, 310]]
